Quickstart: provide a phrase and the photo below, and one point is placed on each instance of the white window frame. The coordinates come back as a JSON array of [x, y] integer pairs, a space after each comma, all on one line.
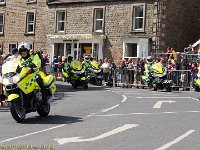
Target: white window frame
[[61, 21], [135, 17], [2, 24], [95, 20], [142, 46], [2, 2], [32, 23]]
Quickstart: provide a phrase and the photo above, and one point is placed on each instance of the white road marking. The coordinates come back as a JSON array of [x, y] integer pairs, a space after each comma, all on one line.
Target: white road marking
[[130, 114], [169, 98], [91, 115], [159, 103], [132, 93], [124, 98], [22, 136], [164, 97], [195, 99], [104, 135], [176, 140], [105, 110]]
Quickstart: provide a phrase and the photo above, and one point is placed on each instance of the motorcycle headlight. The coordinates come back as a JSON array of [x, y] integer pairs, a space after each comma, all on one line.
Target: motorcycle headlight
[[90, 69], [16, 78], [97, 71], [7, 81], [82, 71]]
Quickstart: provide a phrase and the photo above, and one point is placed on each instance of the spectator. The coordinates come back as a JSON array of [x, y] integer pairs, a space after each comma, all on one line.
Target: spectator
[[163, 62], [106, 66], [183, 78], [171, 66], [169, 52], [55, 66], [100, 62], [137, 73], [59, 73]]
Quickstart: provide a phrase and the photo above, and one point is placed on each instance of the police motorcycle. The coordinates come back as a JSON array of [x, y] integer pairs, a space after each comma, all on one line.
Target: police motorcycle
[[76, 75], [147, 78], [23, 92], [95, 73], [160, 80], [196, 83]]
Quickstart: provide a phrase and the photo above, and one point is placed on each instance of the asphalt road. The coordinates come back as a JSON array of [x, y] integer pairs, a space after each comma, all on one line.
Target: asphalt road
[[102, 118]]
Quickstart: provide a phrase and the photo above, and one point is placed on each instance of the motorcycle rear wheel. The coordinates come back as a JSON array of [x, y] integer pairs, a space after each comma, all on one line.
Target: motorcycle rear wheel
[[85, 85], [44, 111], [155, 87], [168, 88], [17, 112], [99, 82]]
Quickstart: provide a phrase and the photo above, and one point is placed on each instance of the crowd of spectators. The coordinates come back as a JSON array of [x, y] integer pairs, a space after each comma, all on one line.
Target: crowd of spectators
[[182, 67]]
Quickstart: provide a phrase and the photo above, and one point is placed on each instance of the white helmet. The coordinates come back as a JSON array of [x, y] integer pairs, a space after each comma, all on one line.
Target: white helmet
[[87, 58], [24, 45], [149, 59]]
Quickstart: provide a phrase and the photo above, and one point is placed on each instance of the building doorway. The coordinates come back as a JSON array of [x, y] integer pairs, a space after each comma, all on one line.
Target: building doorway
[[86, 49]]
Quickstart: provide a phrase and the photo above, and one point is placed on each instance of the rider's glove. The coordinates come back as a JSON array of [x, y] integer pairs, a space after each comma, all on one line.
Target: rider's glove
[[31, 65]]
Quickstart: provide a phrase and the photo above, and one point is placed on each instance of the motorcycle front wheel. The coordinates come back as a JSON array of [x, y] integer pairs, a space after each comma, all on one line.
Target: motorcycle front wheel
[[17, 111]]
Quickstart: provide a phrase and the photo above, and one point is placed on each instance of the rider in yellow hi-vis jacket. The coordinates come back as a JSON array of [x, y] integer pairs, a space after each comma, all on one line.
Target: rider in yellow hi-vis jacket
[[34, 62]]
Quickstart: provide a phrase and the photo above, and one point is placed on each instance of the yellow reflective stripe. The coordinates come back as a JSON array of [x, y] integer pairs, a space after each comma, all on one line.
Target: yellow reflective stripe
[[12, 97]]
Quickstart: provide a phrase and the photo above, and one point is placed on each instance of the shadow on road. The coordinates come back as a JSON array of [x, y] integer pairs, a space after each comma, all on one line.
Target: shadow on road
[[56, 119], [69, 88]]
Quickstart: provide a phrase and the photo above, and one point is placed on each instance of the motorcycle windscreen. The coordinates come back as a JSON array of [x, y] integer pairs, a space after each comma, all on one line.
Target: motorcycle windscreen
[[10, 65], [159, 70], [95, 65], [77, 65]]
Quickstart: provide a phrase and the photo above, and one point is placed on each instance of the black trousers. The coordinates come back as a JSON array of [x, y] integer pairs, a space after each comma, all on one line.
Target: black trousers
[[41, 84]]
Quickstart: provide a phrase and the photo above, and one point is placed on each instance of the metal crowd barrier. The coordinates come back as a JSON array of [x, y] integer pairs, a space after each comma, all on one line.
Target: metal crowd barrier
[[129, 77], [181, 79]]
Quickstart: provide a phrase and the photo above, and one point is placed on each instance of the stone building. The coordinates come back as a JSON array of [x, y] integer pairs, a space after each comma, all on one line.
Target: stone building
[[23, 21], [102, 28]]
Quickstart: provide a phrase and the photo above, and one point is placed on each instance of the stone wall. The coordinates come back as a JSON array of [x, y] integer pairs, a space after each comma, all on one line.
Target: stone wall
[[15, 20], [118, 26], [181, 23]]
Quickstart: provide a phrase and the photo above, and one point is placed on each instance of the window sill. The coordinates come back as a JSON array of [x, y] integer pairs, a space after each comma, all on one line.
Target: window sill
[[60, 32], [97, 33], [137, 31], [2, 4], [29, 34], [33, 2]]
